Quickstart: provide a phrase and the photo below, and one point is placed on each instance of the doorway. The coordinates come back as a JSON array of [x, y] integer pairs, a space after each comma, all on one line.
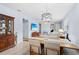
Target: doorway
[[25, 29]]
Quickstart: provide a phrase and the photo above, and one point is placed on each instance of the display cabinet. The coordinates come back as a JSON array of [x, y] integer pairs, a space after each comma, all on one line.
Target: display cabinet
[[7, 38]]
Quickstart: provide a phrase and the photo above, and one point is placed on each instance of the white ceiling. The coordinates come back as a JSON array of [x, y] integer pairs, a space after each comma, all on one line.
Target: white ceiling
[[34, 10]]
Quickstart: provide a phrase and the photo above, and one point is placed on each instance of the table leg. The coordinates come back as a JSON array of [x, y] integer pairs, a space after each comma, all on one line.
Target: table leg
[[61, 50], [42, 49]]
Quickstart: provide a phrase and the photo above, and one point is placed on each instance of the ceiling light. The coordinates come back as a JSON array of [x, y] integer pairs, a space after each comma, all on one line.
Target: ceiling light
[[46, 16]]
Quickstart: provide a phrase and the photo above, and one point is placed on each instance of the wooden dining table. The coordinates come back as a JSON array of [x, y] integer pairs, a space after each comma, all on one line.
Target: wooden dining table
[[69, 45], [63, 43]]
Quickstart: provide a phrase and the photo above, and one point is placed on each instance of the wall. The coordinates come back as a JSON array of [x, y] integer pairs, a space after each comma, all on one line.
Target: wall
[[73, 24]]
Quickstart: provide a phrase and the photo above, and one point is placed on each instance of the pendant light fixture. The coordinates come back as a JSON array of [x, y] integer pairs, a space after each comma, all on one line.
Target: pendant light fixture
[[46, 16]]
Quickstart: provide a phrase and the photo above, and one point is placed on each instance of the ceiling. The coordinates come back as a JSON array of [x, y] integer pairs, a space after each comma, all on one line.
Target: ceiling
[[34, 10]]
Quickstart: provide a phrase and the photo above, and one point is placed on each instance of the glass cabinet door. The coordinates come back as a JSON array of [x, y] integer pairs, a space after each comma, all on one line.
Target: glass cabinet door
[[2, 24], [9, 26], [6, 24]]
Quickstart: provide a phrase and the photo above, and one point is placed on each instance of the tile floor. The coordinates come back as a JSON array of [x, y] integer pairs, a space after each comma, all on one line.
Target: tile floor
[[19, 49]]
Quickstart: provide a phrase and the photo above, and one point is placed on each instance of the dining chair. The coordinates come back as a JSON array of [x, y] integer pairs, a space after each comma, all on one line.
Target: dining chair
[[34, 43], [52, 48]]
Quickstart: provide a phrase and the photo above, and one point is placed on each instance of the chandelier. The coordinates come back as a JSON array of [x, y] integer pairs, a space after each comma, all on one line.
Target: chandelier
[[46, 16]]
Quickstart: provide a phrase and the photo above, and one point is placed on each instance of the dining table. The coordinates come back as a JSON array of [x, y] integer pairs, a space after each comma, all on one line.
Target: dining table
[[64, 43]]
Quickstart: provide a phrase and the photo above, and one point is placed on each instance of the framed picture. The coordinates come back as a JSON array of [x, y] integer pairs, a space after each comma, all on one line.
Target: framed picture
[[34, 27], [52, 26]]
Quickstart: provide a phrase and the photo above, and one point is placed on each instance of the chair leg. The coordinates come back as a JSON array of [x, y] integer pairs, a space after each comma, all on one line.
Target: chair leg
[[30, 49], [39, 51], [58, 52], [46, 51]]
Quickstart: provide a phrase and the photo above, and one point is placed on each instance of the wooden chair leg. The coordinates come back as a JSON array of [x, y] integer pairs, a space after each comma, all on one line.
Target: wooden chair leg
[[46, 51], [30, 49], [59, 52], [39, 51]]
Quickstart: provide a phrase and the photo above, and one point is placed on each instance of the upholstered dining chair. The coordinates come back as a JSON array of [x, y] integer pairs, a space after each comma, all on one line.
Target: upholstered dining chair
[[52, 48], [34, 43]]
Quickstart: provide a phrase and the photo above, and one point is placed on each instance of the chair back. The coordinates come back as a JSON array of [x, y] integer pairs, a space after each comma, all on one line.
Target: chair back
[[52, 45], [34, 42]]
